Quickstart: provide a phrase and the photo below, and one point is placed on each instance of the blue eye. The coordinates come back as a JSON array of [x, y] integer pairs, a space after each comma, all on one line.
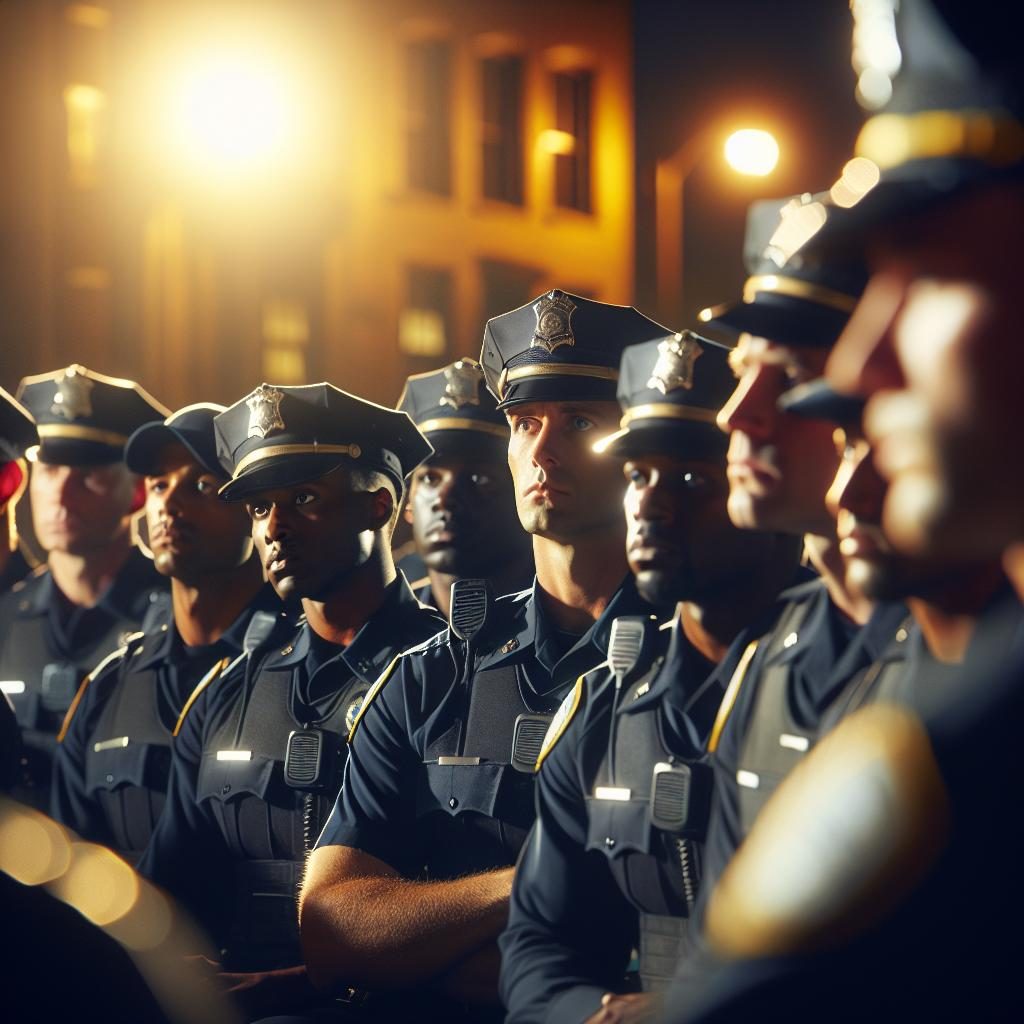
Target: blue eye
[[581, 423]]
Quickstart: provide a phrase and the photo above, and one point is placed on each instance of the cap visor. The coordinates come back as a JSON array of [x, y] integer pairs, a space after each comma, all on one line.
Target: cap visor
[[283, 472], [142, 452], [677, 438], [818, 400], [785, 321], [555, 388]]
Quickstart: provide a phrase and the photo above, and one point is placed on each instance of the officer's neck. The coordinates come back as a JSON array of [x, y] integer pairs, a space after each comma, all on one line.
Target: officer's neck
[[205, 610], [823, 554], [339, 615], [949, 614], [578, 579], [84, 578]]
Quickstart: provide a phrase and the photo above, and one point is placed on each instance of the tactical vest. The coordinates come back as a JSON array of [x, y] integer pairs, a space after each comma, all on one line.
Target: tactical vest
[[647, 814], [775, 742], [268, 823], [41, 688], [128, 759], [479, 777]]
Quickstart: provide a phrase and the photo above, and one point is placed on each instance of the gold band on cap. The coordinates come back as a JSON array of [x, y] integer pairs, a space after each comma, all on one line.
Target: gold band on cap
[[666, 410], [554, 370], [893, 139], [455, 423], [793, 286], [278, 451], [79, 433]]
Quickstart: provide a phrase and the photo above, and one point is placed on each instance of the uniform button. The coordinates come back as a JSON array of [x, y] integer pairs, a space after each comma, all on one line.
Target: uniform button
[[110, 778], [163, 628], [790, 640], [453, 803], [609, 842], [288, 649], [510, 645], [23, 606], [152, 597], [901, 635], [225, 789], [364, 666]]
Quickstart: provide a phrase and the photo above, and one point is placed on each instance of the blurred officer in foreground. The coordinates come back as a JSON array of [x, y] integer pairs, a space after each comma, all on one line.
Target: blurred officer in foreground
[[409, 884], [96, 587], [461, 504], [614, 857], [113, 759], [913, 924], [17, 434], [260, 747]]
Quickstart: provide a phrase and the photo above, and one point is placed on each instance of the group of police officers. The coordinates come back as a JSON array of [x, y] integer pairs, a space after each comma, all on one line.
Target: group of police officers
[[744, 751]]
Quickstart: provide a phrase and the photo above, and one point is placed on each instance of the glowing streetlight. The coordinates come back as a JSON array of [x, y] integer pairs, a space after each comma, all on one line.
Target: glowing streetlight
[[752, 151], [748, 151]]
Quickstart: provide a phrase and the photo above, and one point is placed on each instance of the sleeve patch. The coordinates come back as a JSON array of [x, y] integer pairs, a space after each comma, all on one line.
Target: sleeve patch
[[371, 694]]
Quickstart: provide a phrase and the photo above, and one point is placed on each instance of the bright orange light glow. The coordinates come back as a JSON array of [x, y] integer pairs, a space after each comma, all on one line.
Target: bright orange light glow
[[752, 151], [233, 110]]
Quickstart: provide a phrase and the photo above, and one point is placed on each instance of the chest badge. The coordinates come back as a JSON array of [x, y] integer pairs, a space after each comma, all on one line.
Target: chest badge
[[554, 321], [264, 411], [674, 368]]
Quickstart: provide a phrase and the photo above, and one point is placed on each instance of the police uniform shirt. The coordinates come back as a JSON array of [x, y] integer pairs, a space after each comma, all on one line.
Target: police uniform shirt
[[100, 778], [572, 923], [48, 646], [399, 803], [16, 569], [226, 815]]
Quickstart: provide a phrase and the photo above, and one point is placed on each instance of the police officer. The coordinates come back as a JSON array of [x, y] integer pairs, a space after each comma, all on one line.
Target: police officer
[[461, 506], [622, 801], [410, 881], [96, 587], [113, 759], [17, 433], [258, 756], [919, 923]]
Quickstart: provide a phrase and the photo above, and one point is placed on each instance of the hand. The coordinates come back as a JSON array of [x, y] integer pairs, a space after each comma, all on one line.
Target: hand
[[260, 994], [635, 1008]]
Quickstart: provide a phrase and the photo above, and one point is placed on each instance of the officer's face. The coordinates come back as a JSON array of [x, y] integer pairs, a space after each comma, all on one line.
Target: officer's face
[[936, 342], [463, 515], [192, 533], [563, 489], [680, 543], [311, 536], [780, 465], [80, 509]]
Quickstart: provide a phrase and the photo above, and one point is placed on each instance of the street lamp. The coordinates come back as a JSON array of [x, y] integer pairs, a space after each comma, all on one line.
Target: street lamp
[[748, 151]]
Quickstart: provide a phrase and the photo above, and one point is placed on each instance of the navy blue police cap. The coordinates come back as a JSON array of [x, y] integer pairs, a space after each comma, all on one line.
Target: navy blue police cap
[[454, 410], [560, 348], [191, 427], [944, 83], [279, 436], [818, 400], [83, 417], [17, 431], [789, 298], [670, 392]]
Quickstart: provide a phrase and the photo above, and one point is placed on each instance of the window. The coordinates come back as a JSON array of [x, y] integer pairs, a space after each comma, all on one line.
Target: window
[[285, 340], [507, 286], [424, 326], [572, 122], [428, 132], [502, 90]]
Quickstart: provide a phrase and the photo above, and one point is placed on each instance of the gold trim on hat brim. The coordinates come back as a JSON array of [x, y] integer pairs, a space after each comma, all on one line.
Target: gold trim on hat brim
[[76, 432], [993, 137], [792, 286], [279, 451], [454, 423], [558, 370], [82, 371], [655, 411]]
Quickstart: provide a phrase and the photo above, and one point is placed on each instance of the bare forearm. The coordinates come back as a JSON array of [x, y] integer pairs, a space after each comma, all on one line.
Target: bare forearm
[[379, 930]]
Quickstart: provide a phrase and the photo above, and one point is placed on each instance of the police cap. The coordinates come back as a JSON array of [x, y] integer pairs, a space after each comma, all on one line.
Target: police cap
[[191, 427], [670, 392], [818, 400], [560, 348], [17, 431], [788, 297], [453, 408], [279, 436], [84, 417]]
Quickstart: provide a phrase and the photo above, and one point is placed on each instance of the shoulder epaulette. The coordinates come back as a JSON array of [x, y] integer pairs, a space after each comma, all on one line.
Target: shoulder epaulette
[[218, 668], [564, 715], [108, 660], [378, 683], [731, 693]]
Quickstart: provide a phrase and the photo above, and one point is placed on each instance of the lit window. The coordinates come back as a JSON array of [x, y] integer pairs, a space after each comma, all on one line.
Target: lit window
[[285, 338], [424, 324], [572, 130], [428, 132]]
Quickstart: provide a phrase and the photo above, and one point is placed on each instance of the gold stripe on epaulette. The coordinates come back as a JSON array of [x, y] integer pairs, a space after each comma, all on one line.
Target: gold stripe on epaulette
[[372, 692], [73, 707], [731, 693], [200, 686], [563, 716]]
